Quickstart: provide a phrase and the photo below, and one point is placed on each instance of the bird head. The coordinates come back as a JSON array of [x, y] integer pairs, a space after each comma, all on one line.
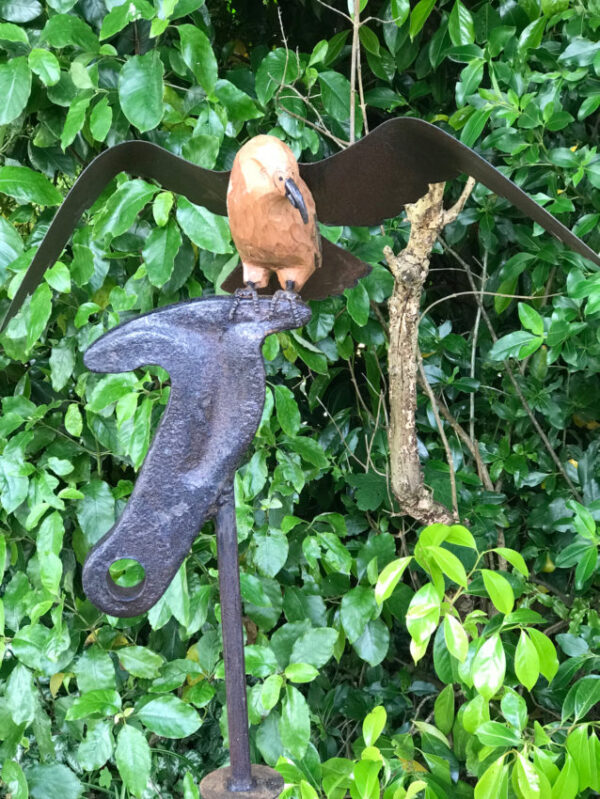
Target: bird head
[[268, 161]]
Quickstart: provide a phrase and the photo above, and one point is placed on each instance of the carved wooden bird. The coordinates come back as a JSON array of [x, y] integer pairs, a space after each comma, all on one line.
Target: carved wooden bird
[[272, 216], [363, 185]]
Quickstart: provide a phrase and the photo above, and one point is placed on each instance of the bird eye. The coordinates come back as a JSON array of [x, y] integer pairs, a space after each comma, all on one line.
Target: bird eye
[[280, 179]]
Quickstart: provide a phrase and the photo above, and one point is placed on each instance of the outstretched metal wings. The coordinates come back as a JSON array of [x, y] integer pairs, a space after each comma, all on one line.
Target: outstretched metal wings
[[370, 181]]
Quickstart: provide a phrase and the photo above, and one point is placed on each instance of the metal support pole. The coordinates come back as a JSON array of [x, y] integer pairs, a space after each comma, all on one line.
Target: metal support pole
[[233, 643], [239, 780]]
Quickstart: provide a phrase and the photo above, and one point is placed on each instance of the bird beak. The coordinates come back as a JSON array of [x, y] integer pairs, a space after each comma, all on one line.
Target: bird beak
[[294, 195]]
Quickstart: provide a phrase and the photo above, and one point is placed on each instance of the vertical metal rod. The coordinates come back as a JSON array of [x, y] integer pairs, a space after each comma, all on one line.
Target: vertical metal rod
[[233, 643]]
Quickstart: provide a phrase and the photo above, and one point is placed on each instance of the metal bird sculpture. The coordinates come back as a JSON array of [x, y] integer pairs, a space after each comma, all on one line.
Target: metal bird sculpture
[[363, 185]]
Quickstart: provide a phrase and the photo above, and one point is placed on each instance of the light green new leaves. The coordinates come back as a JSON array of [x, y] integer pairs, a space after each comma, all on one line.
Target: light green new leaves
[[198, 56], [373, 725], [141, 90], [101, 119], [527, 662], [422, 617], [133, 759], [499, 589], [389, 579], [456, 638], [15, 86], [489, 667]]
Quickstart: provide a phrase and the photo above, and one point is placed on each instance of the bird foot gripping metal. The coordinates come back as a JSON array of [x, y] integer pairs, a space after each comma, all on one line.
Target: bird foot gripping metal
[[217, 394]]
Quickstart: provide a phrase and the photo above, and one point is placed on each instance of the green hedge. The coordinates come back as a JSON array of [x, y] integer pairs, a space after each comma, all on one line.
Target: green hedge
[[360, 678]]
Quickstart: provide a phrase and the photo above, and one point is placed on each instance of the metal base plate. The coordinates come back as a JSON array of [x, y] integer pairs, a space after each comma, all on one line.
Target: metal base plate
[[268, 784]]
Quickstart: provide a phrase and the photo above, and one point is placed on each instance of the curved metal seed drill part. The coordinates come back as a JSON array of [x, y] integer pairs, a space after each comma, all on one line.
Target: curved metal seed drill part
[[217, 396]]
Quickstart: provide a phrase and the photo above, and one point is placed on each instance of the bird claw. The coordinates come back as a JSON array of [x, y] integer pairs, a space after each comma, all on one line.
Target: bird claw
[[292, 297], [247, 293]]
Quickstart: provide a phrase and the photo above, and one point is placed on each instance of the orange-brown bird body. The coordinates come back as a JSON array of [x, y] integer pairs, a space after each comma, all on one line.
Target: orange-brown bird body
[[272, 215]]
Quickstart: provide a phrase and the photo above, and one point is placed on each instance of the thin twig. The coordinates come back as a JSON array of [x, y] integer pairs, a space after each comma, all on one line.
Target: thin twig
[[353, 67], [474, 349]]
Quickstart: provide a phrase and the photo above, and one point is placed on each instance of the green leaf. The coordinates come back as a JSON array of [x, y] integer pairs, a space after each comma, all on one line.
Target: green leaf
[[20, 10], [548, 659], [133, 760], [373, 644], [73, 420], [582, 697], [460, 25], [20, 696], [499, 590], [527, 778], [514, 558], [423, 613], [474, 128], [140, 661], [122, 208], [373, 725], [294, 726], [190, 789], [389, 579], [207, 230], [456, 638], [111, 388], [45, 65], [53, 781], [357, 609], [358, 303], [400, 11], [271, 688], [101, 119], [449, 564], [14, 780], [315, 647], [301, 672], [335, 95], [162, 246], [493, 782], [75, 119], [96, 747], [530, 319], [169, 717], [96, 512], [161, 207], [198, 56], [514, 709], [27, 186], [62, 363], [287, 411], [239, 106], [527, 663], [277, 67], [566, 785], [419, 16], [489, 667], [15, 86], [141, 90], [443, 710], [99, 702], [68, 30], [493, 733]]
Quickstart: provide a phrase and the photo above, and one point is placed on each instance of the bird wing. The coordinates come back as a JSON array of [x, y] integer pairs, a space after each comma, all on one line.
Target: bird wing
[[373, 179], [201, 186], [340, 270]]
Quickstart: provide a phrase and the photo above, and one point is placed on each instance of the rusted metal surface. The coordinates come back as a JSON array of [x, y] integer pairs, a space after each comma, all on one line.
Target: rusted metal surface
[[217, 395]]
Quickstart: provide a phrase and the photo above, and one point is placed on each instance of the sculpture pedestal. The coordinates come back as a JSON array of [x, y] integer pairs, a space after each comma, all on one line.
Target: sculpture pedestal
[[266, 784]]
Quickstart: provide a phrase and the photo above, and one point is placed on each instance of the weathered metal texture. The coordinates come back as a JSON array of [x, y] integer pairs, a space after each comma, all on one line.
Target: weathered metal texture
[[217, 395], [266, 784]]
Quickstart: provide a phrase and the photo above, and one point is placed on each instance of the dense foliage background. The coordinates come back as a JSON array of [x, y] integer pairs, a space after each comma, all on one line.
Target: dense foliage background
[[355, 682]]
